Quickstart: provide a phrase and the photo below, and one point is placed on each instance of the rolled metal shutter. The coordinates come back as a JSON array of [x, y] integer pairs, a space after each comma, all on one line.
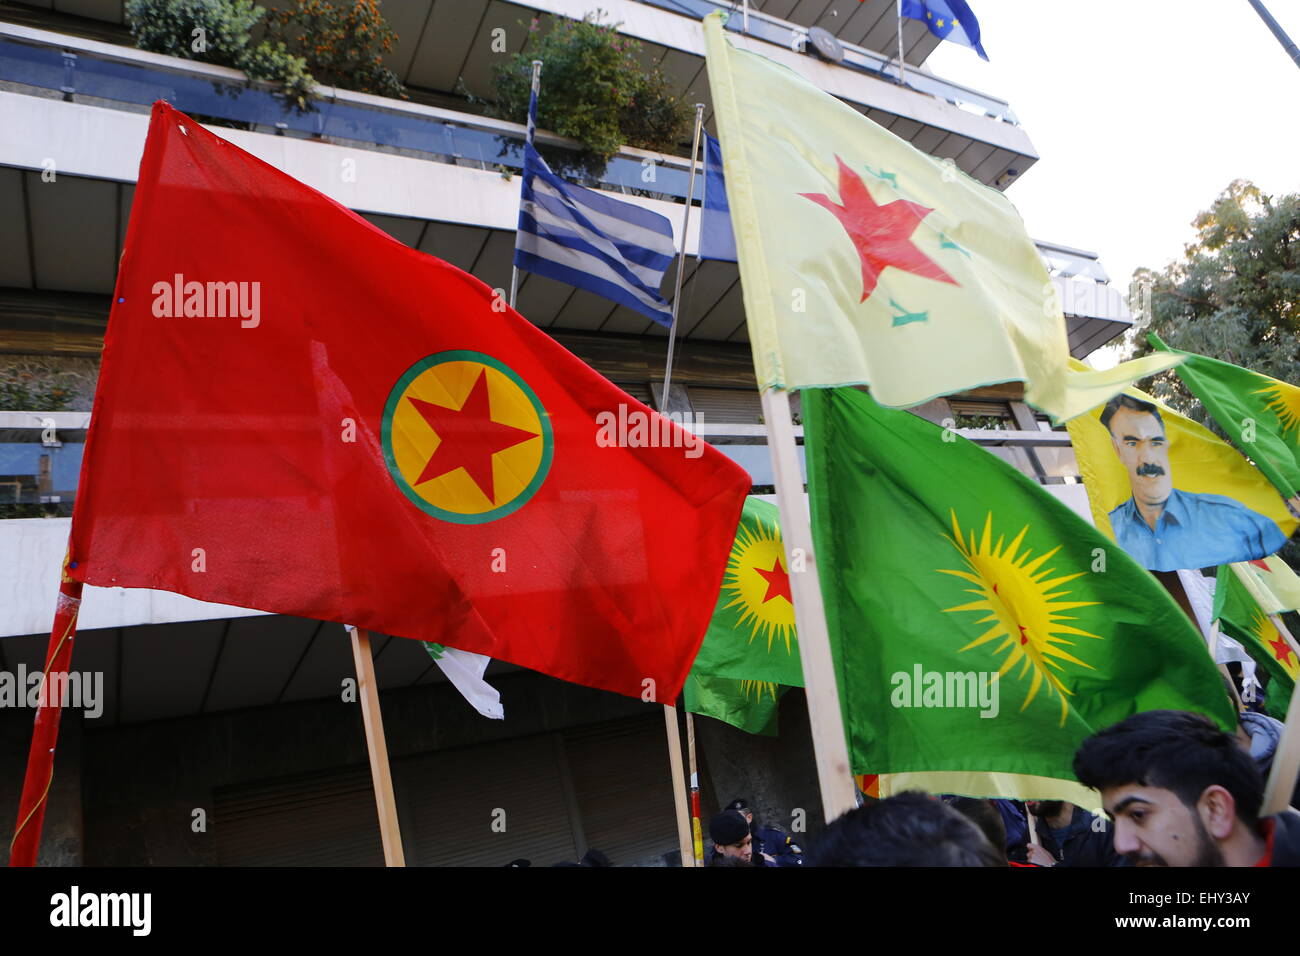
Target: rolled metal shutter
[[449, 801], [324, 819], [623, 787]]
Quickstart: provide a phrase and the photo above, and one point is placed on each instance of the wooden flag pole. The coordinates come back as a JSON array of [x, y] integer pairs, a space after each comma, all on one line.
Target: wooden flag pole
[[697, 833], [679, 785], [368, 696], [827, 726], [1286, 760]]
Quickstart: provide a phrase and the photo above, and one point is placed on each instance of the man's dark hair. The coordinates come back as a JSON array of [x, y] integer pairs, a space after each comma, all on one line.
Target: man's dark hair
[[984, 815], [1128, 401], [910, 829], [1173, 750]]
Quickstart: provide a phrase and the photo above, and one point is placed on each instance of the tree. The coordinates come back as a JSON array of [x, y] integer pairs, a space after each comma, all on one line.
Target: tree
[[1235, 293], [595, 89]]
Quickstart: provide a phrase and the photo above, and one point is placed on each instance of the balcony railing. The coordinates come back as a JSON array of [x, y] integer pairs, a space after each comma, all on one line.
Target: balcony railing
[[40, 456], [100, 74], [772, 30]]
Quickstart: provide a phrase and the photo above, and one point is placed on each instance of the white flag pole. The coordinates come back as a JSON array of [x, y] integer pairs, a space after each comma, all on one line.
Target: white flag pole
[[824, 717], [901, 66], [532, 129], [681, 256]]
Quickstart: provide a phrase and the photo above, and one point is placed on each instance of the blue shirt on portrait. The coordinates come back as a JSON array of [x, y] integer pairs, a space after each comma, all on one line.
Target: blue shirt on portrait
[[1195, 531]]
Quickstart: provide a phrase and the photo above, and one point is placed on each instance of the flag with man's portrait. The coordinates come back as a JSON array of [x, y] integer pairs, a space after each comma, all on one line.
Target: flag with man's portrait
[[1170, 492]]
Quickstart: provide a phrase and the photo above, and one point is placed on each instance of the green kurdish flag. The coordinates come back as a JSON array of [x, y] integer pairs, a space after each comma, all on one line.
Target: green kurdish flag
[[1261, 414], [938, 560], [864, 260], [750, 654], [1245, 621], [751, 706]]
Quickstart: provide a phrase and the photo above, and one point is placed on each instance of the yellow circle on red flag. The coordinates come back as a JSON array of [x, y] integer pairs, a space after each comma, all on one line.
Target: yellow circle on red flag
[[465, 437]]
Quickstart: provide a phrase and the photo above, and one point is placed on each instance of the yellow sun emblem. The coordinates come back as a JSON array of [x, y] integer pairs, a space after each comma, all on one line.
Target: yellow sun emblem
[[1023, 605], [757, 688], [1283, 401], [758, 583], [1267, 634]]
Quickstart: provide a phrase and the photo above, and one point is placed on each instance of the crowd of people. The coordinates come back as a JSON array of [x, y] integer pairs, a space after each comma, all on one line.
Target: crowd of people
[[1175, 789]]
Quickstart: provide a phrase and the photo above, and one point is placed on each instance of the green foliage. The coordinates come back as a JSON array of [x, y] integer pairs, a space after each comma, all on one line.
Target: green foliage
[[219, 32], [595, 89], [1235, 293], [24, 392], [312, 41], [344, 45]]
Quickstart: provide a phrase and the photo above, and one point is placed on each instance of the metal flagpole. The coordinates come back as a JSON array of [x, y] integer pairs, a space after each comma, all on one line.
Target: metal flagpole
[[824, 715], [368, 697], [681, 256], [1287, 43], [532, 129], [899, 8]]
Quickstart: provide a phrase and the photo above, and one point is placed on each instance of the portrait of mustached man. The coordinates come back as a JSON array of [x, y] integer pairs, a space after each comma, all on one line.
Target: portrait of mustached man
[[1163, 528]]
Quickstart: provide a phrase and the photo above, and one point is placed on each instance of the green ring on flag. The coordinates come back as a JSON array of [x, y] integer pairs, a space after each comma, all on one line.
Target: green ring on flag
[[395, 396]]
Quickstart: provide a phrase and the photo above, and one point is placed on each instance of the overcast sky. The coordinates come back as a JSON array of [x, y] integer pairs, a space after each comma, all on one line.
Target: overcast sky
[[1141, 112]]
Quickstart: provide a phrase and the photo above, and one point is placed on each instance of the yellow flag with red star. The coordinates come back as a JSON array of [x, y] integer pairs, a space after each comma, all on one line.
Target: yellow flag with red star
[[1244, 620], [865, 261]]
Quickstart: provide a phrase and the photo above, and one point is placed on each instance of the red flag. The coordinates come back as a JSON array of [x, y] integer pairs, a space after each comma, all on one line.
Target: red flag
[[299, 414]]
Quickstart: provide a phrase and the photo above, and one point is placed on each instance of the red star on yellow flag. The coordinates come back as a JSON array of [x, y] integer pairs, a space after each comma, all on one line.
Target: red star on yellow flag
[[1281, 650], [881, 234]]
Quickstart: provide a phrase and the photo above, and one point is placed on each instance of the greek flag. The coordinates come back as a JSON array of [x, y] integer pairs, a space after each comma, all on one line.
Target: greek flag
[[584, 238]]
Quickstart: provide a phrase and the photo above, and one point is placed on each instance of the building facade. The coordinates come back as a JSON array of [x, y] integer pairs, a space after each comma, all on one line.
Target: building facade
[[225, 736]]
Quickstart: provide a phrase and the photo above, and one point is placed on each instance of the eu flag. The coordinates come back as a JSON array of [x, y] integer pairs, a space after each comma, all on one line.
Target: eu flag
[[948, 20]]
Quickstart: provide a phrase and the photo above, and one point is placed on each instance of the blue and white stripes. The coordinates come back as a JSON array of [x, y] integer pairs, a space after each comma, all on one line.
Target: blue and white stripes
[[615, 249]]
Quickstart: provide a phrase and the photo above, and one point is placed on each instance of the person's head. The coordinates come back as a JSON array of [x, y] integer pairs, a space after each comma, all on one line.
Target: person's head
[[729, 832], [984, 815], [910, 829], [1045, 808], [1138, 433], [1181, 791], [741, 806]]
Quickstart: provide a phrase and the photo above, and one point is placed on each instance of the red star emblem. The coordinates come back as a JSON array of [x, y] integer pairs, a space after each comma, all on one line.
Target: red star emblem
[[778, 582], [469, 437], [881, 234], [1282, 650]]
